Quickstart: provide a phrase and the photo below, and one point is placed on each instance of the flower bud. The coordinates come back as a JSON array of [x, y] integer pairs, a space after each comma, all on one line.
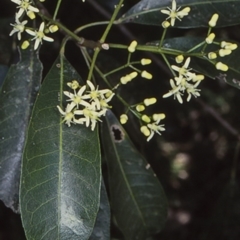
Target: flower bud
[[73, 85], [31, 14], [145, 61], [149, 101], [165, 24], [133, 75], [25, 45], [179, 59], [123, 118], [213, 20], [132, 46], [228, 45], [221, 66], [224, 52], [140, 108], [146, 119], [53, 28], [145, 131], [210, 38], [212, 55], [146, 75], [158, 116]]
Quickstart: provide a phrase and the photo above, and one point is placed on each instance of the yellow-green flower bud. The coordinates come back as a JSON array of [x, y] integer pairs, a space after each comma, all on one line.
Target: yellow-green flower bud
[[42, 0], [197, 78], [210, 38], [158, 116], [179, 59], [149, 101], [133, 75], [224, 52], [146, 119], [146, 75], [165, 24], [212, 55], [125, 79], [31, 14], [228, 45], [132, 46], [25, 45], [213, 20], [221, 66], [145, 131], [123, 118], [140, 108], [53, 28], [73, 85], [145, 61]]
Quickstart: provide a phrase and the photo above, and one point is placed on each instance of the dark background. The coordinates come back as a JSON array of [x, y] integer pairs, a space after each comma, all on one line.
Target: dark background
[[195, 158]]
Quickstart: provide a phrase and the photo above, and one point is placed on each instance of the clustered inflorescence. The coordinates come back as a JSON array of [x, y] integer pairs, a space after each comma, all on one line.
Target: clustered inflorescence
[[87, 104], [25, 8], [187, 81]]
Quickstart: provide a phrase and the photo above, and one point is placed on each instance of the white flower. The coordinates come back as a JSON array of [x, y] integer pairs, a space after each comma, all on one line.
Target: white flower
[[175, 13], [24, 5], [184, 70], [18, 27], [192, 91], [175, 91], [151, 128], [96, 95], [39, 35], [90, 115], [77, 98], [68, 114]]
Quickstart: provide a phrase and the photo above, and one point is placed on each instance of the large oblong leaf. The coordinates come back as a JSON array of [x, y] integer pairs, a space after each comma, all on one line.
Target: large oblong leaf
[[149, 12], [137, 198], [61, 177], [17, 96]]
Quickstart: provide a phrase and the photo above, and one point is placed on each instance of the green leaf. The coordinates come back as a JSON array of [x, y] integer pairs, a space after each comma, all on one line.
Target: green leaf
[[204, 65], [61, 171], [137, 198], [17, 96], [101, 229], [148, 12]]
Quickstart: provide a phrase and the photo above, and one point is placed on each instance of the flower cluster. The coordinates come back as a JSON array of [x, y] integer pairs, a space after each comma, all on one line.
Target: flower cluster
[[25, 7], [226, 47], [87, 104], [186, 81], [152, 125], [174, 13], [149, 124]]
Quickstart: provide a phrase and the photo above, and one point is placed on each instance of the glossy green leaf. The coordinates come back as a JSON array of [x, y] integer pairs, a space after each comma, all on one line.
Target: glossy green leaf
[[204, 65], [148, 12], [61, 171], [17, 96], [101, 229], [137, 198]]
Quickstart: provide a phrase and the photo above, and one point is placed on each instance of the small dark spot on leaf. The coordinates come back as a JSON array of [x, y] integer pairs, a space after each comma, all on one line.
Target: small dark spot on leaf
[[58, 65], [117, 133]]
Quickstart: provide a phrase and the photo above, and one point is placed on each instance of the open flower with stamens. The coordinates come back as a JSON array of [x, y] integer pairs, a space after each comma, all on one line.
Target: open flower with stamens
[[68, 114], [77, 98], [174, 13], [151, 128], [39, 35], [184, 70], [24, 6], [18, 28], [175, 91], [90, 115], [192, 91], [96, 95]]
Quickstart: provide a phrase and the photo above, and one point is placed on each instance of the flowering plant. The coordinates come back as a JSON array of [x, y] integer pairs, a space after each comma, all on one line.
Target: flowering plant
[[61, 122]]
